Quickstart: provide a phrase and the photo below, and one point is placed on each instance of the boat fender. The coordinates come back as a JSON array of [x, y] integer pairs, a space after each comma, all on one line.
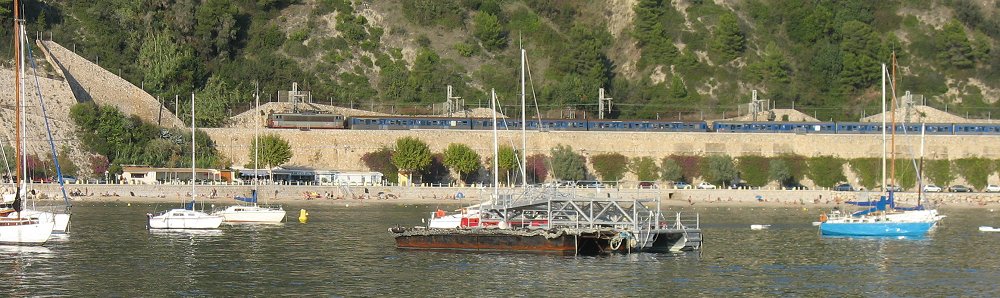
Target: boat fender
[[822, 217], [397, 229], [149, 218]]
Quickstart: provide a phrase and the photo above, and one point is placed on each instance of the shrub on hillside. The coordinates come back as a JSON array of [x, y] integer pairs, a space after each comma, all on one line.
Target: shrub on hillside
[[610, 166], [719, 169], [975, 170], [381, 161], [568, 165], [938, 172], [868, 170], [644, 168], [755, 170], [690, 166], [826, 171], [538, 168]]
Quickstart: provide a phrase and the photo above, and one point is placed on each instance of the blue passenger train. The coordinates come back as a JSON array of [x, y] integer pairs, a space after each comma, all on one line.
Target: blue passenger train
[[329, 121]]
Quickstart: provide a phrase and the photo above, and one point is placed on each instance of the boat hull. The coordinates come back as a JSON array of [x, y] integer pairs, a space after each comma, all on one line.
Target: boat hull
[[240, 214], [26, 231], [487, 240], [184, 219], [876, 229]]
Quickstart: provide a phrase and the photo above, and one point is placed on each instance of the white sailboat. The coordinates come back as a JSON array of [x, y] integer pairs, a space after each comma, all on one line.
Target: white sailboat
[[17, 227], [250, 211], [187, 217]]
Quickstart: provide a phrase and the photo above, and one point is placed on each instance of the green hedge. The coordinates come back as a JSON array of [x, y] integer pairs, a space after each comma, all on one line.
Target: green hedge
[[754, 170], [938, 172], [868, 170], [975, 170], [826, 171]]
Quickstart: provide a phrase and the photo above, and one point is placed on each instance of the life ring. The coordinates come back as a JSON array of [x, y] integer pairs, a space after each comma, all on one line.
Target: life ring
[[822, 217]]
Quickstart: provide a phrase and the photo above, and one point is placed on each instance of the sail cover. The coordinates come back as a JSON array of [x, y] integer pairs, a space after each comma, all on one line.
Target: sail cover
[[251, 199], [189, 205]]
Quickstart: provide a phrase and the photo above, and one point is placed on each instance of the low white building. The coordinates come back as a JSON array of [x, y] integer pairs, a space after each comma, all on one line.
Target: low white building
[[151, 175]]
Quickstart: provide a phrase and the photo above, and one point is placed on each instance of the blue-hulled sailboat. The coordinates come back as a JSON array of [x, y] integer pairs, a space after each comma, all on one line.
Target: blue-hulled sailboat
[[883, 218]]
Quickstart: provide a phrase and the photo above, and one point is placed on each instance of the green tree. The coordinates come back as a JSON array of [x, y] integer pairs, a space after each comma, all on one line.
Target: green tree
[[728, 39], [411, 155], [868, 170], [507, 162], [461, 159], [567, 165], [610, 166], [644, 168], [216, 28], [213, 103], [670, 171], [719, 169], [487, 28], [677, 88], [779, 170], [168, 64], [826, 171], [954, 47], [66, 164], [381, 161], [772, 68], [274, 151]]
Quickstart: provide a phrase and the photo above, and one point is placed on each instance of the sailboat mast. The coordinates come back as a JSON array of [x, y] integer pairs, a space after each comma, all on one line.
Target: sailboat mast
[[892, 147], [496, 148], [920, 170], [524, 125], [883, 128], [193, 175], [256, 139], [17, 92]]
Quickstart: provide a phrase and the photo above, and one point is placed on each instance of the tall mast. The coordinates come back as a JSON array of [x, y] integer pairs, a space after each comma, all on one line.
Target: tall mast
[[496, 147], [193, 175], [256, 139], [883, 128], [17, 92], [920, 170], [524, 124], [892, 148]]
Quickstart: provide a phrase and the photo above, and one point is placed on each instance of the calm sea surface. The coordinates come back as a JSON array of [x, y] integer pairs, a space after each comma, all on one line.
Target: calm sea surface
[[346, 251]]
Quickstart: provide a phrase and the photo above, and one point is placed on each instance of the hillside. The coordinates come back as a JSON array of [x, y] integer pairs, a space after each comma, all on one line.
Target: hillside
[[687, 57]]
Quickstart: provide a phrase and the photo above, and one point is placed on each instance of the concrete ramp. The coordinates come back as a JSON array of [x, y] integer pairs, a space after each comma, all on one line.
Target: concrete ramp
[[91, 82]]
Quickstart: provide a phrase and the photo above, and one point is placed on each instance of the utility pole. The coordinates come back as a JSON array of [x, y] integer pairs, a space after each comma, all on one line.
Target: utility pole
[[601, 105]]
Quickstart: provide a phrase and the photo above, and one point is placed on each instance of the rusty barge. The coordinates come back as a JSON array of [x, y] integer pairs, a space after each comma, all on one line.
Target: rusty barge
[[540, 220]]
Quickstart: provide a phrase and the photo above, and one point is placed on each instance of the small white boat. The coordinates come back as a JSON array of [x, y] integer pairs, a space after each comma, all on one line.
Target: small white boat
[[251, 214], [988, 229], [759, 227], [183, 219]]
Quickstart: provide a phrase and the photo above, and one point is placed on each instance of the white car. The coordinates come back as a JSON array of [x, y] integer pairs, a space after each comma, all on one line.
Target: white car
[[992, 188], [932, 188], [706, 185]]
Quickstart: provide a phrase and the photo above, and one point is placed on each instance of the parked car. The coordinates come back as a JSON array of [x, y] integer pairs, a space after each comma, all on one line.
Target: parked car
[[647, 185], [590, 184], [960, 188], [844, 187], [893, 188], [68, 179], [992, 188], [681, 185], [932, 188], [706, 185], [739, 185]]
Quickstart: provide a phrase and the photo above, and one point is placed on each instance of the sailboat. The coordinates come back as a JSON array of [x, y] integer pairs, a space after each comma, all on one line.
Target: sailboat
[[250, 211], [883, 218], [17, 227], [187, 217]]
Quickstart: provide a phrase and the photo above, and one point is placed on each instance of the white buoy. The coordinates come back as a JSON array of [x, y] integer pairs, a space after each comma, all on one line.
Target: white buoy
[[988, 229], [759, 227]]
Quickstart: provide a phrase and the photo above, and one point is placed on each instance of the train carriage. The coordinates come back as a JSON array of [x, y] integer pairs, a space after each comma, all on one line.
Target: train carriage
[[306, 121]]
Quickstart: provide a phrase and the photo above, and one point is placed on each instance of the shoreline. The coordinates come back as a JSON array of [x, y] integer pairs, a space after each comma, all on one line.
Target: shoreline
[[396, 195]]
